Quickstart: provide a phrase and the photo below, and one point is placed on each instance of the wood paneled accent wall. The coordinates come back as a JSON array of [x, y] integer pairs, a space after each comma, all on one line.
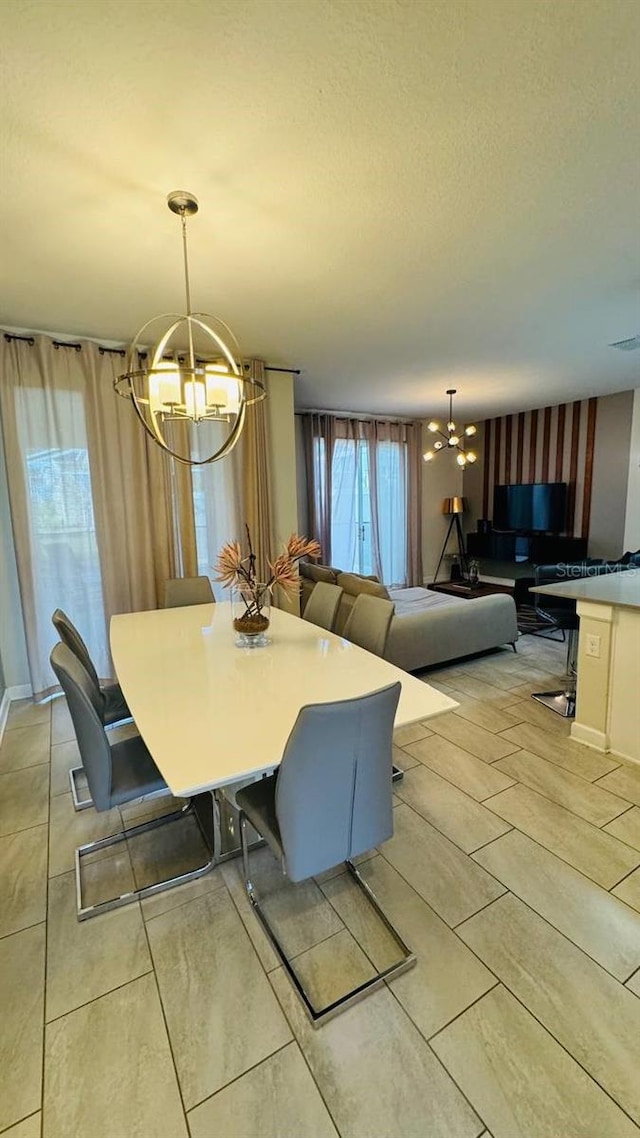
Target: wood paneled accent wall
[[553, 444]]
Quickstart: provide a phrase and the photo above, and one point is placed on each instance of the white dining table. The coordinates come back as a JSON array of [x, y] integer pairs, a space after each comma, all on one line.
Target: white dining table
[[213, 714]]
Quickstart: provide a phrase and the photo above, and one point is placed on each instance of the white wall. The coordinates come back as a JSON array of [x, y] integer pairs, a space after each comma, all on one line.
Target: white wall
[[632, 516], [611, 460]]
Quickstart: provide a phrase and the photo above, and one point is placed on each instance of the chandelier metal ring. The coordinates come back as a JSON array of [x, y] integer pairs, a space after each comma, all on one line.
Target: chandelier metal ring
[[188, 384]]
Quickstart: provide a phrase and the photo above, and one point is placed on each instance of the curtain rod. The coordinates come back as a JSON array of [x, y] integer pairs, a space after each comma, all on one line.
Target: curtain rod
[[360, 416], [9, 336]]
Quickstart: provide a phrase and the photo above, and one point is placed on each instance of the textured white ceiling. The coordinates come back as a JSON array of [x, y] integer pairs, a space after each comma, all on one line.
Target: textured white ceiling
[[397, 196]]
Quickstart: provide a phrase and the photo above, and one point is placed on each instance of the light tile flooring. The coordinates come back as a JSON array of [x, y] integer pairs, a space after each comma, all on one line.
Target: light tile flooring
[[513, 872]]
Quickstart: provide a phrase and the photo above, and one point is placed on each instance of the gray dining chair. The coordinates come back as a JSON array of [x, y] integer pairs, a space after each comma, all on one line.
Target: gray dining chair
[[368, 626], [329, 801], [117, 773], [112, 706], [368, 623], [181, 591], [323, 604]]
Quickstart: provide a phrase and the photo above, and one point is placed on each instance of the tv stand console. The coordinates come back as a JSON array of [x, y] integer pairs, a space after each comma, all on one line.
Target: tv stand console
[[538, 548]]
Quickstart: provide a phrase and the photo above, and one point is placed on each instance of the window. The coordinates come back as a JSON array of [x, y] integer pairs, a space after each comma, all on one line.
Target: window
[[62, 533], [368, 507], [216, 504]]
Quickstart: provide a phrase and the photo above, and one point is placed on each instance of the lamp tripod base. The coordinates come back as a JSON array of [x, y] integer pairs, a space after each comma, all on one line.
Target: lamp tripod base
[[454, 521]]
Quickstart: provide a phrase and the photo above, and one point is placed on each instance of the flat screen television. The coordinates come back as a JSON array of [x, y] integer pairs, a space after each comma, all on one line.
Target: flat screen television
[[533, 507]]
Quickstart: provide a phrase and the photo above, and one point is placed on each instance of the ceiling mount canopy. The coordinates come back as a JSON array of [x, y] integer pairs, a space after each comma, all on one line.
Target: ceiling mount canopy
[[192, 376], [451, 439]]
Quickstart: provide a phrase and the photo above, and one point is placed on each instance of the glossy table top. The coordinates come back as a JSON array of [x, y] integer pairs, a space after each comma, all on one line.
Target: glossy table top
[[621, 589], [211, 713]]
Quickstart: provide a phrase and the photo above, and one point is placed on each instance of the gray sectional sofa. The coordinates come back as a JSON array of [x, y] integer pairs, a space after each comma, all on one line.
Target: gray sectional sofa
[[427, 628]]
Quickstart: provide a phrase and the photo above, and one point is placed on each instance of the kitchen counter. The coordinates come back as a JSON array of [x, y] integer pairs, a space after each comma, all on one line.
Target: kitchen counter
[[621, 589], [608, 685]]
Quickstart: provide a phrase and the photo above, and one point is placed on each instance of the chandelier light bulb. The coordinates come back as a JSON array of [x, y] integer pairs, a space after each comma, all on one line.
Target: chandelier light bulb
[[176, 384], [452, 438]]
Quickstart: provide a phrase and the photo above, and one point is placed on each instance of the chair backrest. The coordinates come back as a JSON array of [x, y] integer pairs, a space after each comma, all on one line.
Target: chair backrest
[[322, 606], [70, 636], [84, 700], [562, 610], [180, 591], [333, 792], [368, 623]]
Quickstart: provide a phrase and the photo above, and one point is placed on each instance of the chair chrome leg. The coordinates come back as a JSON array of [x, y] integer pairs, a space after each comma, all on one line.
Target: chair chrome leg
[[86, 911], [78, 802], [244, 842], [563, 702], [318, 1016]]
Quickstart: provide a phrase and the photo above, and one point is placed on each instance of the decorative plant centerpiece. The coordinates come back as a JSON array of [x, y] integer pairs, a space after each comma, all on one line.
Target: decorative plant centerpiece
[[250, 598]]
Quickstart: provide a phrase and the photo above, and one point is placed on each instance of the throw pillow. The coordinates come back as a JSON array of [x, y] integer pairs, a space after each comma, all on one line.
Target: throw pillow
[[318, 573], [352, 584]]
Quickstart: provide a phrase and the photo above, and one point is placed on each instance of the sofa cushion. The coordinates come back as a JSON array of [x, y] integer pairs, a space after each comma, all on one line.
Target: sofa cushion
[[353, 584], [318, 573]]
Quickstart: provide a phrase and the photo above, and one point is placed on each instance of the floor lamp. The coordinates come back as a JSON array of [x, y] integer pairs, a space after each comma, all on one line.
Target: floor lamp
[[453, 508]]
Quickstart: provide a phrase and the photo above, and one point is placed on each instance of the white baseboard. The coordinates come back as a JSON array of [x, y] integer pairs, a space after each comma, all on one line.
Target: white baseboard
[[21, 691], [598, 740], [4, 712]]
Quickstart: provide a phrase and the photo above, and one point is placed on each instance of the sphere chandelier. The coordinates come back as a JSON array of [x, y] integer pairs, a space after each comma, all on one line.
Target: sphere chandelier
[[193, 375], [451, 438]]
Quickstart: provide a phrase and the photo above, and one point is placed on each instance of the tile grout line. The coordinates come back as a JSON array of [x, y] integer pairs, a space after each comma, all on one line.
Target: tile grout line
[[437, 1057], [423, 899], [14, 932], [626, 876], [101, 996], [423, 763], [636, 972], [294, 1037], [237, 1078], [472, 800], [548, 1031], [563, 806], [164, 1018], [514, 826], [25, 1118], [560, 1044], [510, 889]]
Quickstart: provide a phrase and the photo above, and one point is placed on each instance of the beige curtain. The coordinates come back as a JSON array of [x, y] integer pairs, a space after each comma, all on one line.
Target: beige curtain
[[253, 454], [318, 433], [132, 494], [100, 515]]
